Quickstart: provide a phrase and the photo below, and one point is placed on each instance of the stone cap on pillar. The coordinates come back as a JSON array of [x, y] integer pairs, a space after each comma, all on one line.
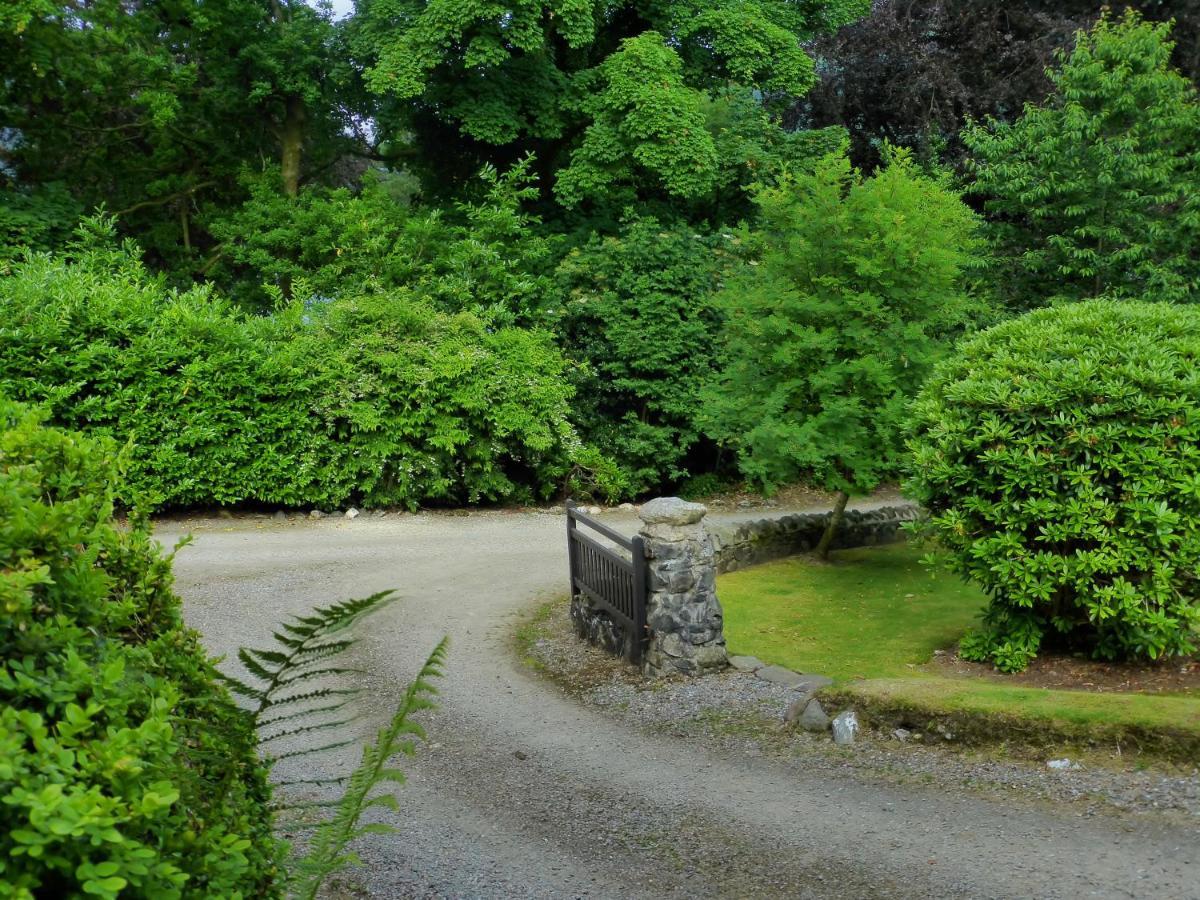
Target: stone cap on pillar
[[671, 511]]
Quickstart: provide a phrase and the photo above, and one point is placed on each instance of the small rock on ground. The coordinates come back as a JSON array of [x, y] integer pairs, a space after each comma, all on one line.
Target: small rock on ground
[[845, 728], [746, 663], [814, 717], [780, 675]]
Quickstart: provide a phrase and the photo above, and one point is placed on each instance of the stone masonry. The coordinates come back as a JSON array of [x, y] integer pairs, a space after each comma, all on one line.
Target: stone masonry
[[683, 614]]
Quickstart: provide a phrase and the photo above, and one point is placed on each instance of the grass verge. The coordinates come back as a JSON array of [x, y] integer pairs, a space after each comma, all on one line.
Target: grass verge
[[872, 620]]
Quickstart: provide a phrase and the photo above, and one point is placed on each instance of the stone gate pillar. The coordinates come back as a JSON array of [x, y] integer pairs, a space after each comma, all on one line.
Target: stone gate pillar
[[682, 611]]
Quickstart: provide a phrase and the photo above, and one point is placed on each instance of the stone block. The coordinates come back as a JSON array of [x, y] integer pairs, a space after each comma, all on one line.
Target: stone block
[[746, 663], [671, 511]]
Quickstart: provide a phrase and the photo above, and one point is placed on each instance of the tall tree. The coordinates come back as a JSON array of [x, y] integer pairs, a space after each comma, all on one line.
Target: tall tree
[[152, 108], [620, 101], [913, 71], [1097, 191]]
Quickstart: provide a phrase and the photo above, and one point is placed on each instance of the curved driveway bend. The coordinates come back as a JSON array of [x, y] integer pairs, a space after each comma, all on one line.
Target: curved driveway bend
[[522, 792]]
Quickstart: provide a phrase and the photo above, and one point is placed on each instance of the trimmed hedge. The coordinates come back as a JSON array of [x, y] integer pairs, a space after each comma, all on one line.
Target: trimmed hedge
[[378, 400], [125, 767], [1058, 455]]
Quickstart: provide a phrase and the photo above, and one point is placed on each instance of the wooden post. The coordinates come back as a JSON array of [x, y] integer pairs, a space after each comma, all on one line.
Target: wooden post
[[571, 561], [640, 634]]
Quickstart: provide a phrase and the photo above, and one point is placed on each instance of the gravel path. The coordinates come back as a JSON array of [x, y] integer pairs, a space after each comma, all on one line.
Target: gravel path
[[525, 792]]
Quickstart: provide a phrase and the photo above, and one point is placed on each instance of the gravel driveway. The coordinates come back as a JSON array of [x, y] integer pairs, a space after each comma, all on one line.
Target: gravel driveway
[[523, 792]]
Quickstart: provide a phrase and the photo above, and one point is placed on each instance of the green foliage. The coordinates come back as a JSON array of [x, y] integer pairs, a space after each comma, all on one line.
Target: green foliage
[[151, 109], [1097, 191], [851, 290], [647, 126], [35, 220], [485, 255], [329, 851], [379, 399], [1059, 459], [293, 690], [639, 310], [611, 95], [125, 768], [417, 405]]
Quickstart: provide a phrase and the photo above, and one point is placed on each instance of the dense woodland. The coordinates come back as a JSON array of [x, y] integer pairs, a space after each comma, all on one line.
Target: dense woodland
[[463, 251]]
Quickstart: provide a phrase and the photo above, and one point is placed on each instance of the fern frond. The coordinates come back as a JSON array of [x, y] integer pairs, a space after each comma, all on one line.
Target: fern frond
[[298, 673], [336, 779], [300, 714], [319, 694], [307, 643], [306, 729], [309, 751], [329, 849]]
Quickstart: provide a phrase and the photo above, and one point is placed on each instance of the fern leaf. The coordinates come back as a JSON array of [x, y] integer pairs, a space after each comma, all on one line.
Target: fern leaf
[[309, 751], [300, 714], [307, 729], [328, 851]]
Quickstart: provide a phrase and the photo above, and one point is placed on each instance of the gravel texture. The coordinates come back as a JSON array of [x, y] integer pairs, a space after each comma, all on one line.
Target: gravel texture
[[526, 790], [737, 710]]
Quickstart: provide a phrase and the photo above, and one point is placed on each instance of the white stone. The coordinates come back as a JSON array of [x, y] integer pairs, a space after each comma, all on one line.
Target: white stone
[[351, 513], [845, 728], [1063, 764]]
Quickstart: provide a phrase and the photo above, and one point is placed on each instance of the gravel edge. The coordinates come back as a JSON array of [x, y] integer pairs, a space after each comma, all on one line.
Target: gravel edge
[[736, 713]]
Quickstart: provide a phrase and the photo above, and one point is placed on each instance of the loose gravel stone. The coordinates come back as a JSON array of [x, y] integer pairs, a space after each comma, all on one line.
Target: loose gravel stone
[[814, 717]]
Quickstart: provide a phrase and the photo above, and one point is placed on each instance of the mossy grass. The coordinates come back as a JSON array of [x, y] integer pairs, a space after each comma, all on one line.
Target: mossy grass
[[872, 619]]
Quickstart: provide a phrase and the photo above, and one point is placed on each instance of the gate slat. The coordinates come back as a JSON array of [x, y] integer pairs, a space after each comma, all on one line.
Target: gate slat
[[614, 583]]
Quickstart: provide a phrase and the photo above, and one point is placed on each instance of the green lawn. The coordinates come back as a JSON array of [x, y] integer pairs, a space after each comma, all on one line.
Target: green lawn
[[872, 618], [867, 614]]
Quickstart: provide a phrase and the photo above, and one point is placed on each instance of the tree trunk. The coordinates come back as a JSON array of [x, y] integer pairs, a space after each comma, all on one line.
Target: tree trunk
[[835, 522], [184, 226], [292, 140]]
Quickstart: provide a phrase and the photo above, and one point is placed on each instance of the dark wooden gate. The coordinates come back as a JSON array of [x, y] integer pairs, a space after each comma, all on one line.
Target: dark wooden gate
[[603, 574]]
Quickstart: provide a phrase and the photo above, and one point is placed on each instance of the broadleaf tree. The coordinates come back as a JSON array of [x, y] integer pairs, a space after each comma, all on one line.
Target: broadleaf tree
[[153, 109], [1097, 191], [611, 96], [853, 286]]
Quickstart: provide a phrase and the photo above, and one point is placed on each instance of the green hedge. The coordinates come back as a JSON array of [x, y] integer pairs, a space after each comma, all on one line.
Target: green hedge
[[379, 400], [125, 768], [1059, 457]]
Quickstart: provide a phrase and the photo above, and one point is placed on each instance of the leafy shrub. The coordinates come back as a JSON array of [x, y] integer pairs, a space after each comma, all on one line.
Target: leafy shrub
[[851, 290], [1097, 191], [378, 398], [1058, 455], [638, 309], [125, 767], [418, 405], [486, 255]]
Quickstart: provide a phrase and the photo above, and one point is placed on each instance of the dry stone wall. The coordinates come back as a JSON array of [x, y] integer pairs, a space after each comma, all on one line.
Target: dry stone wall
[[749, 543]]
